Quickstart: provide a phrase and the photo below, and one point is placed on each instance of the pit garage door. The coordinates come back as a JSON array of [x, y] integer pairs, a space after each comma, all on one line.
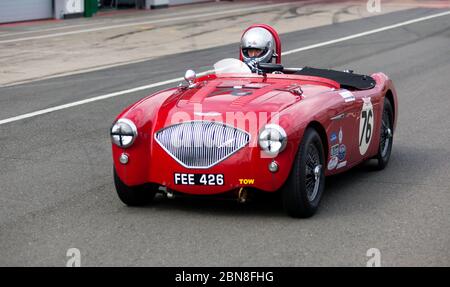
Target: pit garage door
[[22, 10]]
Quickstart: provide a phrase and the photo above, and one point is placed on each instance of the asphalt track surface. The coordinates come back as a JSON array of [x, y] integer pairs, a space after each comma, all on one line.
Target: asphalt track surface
[[57, 192]]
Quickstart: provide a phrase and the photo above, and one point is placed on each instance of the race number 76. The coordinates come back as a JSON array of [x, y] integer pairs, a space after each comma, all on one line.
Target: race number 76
[[365, 126]]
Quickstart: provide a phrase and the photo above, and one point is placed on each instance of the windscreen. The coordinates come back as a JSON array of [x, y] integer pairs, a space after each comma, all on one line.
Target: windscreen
[[231, 66]]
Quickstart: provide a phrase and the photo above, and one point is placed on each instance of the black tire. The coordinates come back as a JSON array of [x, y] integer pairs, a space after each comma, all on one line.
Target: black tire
[[134, 195], [386, 136], [299, 200]]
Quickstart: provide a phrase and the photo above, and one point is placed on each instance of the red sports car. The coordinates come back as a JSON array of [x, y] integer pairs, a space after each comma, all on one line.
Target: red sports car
[[233, 132]]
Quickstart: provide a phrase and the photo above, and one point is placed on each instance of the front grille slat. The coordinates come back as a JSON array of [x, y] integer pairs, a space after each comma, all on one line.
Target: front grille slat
[[201, 144]]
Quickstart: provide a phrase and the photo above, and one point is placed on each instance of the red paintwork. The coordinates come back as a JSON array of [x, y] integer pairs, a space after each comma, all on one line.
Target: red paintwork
[[319, 103], [275, 36]]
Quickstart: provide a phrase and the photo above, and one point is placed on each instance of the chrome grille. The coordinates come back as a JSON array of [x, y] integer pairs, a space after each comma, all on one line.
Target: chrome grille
[[201, 144]]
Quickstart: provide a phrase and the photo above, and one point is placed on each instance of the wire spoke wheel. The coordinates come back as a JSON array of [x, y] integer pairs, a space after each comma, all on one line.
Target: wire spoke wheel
[[304, 187], [386, 134], [313, 171]]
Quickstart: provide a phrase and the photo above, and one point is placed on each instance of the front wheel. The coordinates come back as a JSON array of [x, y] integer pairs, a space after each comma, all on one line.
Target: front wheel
[[304, 187], [134, 195], [386, 136]]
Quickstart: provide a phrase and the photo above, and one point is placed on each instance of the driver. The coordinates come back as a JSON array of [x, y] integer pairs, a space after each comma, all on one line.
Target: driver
[[257, 46]]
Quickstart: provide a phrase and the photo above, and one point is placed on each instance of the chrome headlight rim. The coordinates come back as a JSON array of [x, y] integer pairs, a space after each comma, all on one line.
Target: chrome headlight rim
[[263, 136], [133, 134]]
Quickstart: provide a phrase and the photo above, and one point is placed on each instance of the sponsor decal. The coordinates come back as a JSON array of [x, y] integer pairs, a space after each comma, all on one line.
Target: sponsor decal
[[334, 150], [341, 135], [332, 163], [366, 120], [246, 181], [333, 137], [342, 152], [341, 164], [347, 96]]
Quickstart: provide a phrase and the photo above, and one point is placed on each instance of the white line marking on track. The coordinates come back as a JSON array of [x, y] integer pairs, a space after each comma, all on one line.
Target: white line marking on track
[[158, 84], [145, 22], [126, 21], [359, 35], [85, 101], [12, 34]]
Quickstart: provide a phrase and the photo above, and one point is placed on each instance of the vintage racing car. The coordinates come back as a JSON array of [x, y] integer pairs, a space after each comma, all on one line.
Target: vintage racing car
[[233, 131]]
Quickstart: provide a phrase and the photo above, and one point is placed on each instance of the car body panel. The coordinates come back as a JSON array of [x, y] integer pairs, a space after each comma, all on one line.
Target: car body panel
[[247, 97]]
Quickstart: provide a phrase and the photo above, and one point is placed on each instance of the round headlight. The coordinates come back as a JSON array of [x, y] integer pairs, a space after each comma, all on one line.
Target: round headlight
[[123, 133], [272, 139]]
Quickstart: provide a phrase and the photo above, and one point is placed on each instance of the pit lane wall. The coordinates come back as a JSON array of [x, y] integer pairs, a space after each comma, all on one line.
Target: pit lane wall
[[27, 10]]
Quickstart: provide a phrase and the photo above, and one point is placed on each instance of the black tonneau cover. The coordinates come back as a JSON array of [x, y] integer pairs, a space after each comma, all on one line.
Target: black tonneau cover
[[345, 79]]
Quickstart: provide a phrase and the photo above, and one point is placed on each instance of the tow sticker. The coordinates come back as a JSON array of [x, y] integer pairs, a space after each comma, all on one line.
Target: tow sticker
[[365, 126]]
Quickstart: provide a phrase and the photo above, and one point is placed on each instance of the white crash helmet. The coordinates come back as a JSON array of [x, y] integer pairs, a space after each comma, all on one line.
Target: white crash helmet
[[261, 39]]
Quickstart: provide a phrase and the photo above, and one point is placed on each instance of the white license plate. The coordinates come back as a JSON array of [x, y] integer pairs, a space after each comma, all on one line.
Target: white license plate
[[198, 179]]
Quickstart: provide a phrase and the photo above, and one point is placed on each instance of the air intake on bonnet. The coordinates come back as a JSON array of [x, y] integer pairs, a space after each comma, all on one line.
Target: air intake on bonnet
[[201, 144]]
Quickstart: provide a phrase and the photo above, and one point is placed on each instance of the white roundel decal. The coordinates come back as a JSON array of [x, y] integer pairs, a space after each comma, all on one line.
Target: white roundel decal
[[365, 126], [333, 163]]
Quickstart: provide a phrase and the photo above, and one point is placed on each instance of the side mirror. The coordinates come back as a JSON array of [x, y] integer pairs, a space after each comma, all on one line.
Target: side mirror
[[190, 76]]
